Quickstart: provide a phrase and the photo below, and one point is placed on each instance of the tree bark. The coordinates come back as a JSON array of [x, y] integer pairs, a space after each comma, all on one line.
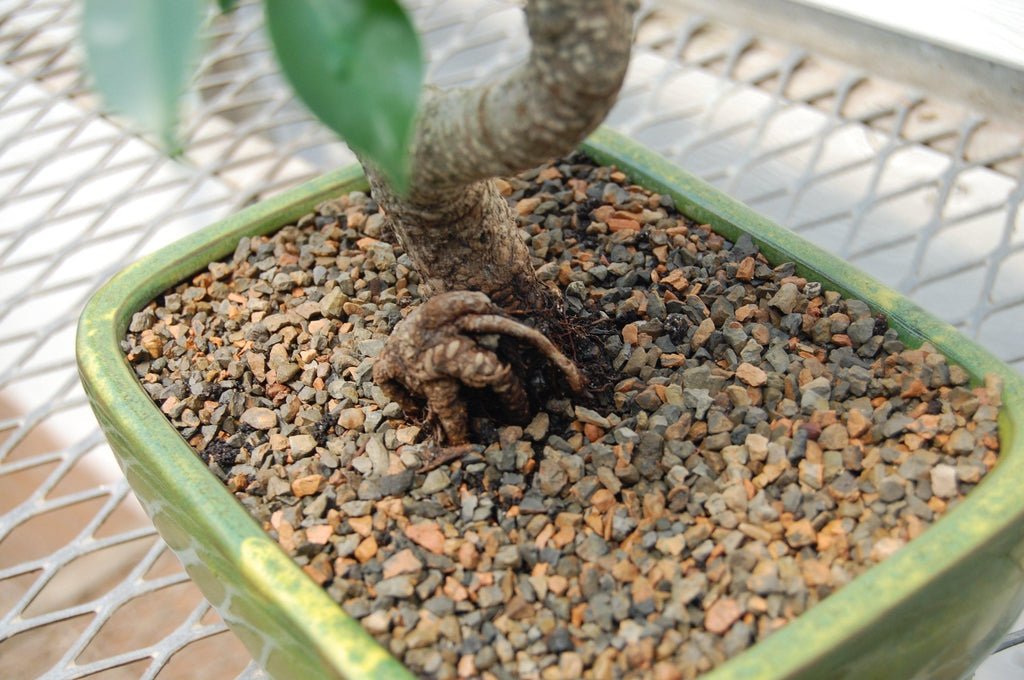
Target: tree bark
[[453, 223]]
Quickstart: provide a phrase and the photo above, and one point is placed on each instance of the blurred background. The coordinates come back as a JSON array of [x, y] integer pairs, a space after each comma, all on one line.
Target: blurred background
[[890, 133]]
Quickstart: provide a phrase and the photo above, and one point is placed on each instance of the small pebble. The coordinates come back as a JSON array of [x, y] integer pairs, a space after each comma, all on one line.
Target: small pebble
[[586, 415], [721, 615], [301, 444], [426, 534], [402, 562], [436, 481], [751, 375], [259, 418], [351, 418], [307, 486], [943, 478]]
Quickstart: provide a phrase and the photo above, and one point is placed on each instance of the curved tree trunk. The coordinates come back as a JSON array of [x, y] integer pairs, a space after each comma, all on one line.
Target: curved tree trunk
[[453, 223], [465, 239], [459, 231]]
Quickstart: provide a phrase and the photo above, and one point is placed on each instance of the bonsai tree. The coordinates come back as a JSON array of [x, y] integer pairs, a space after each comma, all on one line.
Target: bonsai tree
[[431, 157]]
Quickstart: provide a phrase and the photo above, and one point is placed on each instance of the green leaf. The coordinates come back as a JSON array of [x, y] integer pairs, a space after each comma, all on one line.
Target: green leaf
[[141, 54], [357, 65], [227, 5]]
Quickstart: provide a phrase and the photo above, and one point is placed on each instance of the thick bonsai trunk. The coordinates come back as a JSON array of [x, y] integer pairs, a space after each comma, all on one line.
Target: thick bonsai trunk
[[453, 223], [466, 240]]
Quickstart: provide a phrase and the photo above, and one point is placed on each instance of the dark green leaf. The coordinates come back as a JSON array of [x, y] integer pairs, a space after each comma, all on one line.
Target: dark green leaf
[[141, 53], [357, 65], [227, 5]]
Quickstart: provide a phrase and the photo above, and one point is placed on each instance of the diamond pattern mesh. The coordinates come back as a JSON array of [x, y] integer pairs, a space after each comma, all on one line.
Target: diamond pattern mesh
[[925, 195]]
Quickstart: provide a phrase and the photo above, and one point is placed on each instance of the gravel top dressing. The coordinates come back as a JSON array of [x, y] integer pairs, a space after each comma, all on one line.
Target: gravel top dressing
[[762, 443]]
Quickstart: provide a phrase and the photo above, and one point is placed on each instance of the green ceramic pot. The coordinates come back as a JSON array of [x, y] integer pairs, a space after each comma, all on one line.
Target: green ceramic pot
[[933, 610]]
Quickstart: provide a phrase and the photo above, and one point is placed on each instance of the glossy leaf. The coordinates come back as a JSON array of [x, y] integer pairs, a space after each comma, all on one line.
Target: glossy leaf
[[141, 54], [357, 65]]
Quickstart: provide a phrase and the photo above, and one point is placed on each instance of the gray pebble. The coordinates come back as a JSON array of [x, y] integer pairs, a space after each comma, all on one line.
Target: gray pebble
[[785, 300], [435, 481], [891, 489], [592, 547], [397, 586]]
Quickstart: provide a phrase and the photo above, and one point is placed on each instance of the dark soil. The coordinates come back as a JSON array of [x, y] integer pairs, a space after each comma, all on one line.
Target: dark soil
[[766, 441]]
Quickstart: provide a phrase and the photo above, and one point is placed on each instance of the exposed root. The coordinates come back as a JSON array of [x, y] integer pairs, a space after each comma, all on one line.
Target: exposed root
[[441, 455], [579, 336], [434, 357]]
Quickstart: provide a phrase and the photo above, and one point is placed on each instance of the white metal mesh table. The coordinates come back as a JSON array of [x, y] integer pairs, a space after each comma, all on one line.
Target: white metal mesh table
[[923, 194]]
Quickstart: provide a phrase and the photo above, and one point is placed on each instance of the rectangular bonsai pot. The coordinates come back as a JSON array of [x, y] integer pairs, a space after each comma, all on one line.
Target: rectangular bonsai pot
[[933, 610]]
